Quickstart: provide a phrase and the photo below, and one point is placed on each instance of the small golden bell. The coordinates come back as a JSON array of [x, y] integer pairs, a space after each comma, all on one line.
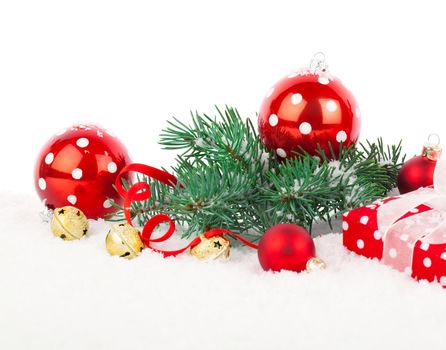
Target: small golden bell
[[69, 223], [211, 248], [124, 240], [315, 264]]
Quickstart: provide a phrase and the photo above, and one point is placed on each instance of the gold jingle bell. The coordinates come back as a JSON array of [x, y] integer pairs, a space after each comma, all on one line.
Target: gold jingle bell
[[314, 264], [123, 240], [69, 223], [211, 248]]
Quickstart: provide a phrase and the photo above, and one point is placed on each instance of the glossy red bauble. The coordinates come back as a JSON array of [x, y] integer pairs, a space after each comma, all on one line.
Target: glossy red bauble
[[415, 173], [78, 167], [307, 109], [285, 247]]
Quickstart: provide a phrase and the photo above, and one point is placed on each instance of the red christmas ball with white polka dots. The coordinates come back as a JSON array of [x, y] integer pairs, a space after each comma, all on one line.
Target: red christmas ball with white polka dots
[[78, 167], [306, 109]]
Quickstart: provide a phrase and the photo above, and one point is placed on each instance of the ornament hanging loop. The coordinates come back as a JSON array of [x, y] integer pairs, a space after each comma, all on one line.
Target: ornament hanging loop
[[432, 149], [318, 62], [433, 140]]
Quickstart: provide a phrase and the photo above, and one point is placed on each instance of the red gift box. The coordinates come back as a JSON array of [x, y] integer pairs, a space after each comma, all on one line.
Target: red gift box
[[407, 232]]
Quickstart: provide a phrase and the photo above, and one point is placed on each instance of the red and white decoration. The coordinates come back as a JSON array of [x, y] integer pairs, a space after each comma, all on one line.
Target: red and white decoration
[[78, 167], [407, 232], [307, 108]]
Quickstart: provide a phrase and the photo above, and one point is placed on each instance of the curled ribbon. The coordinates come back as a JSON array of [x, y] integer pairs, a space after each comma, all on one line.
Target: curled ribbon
[[140, 191], [400, 235]]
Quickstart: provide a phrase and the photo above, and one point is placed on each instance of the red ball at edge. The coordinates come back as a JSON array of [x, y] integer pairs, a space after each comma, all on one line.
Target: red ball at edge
[[285, 247], [415, 173]]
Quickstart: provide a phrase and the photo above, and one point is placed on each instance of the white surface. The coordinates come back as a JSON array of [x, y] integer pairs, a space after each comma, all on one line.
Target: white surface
[[73, 295], [130, 65]]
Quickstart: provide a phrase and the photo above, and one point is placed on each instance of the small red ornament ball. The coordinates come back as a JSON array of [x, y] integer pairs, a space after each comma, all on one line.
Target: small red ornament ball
[[285, 247], [78, 167], [305, 109], [415, 173]]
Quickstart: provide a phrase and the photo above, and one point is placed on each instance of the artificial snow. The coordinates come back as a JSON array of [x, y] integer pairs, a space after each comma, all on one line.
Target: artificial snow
[[56, 294]]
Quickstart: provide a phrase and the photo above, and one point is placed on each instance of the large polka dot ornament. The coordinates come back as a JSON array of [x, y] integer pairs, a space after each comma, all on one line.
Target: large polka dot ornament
[[78, 167], [308, 108]]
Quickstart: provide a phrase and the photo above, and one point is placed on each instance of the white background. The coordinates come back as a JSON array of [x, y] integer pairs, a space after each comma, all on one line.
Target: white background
[[131, 65]]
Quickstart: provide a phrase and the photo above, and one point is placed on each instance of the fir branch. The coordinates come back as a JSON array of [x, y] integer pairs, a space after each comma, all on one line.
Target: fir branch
[[216, 139], [229, 180]]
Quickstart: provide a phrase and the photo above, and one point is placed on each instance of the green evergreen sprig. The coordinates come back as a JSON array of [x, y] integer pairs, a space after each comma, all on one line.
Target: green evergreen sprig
[[230, 180]]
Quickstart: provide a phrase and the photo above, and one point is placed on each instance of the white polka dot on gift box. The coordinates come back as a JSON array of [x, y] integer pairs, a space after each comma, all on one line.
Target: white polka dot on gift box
[[404, 237], [358, 237], [364, 220], [424, 246], [393, 253], [427, 262], [377, 235]]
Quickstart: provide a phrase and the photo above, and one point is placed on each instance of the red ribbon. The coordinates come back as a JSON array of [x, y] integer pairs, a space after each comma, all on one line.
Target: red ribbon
[[140, 191]]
